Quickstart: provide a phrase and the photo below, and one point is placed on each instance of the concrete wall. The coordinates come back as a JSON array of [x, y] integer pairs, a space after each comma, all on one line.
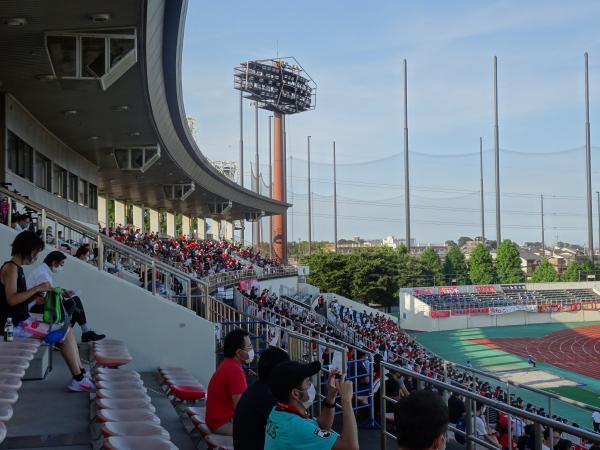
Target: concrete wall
[[415, 315], [24, 125], [157, 331]]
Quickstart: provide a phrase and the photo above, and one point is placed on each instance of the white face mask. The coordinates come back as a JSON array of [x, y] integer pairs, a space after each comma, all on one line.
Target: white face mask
[[250, 356], [88, 258], [57, 269], [312, 393]]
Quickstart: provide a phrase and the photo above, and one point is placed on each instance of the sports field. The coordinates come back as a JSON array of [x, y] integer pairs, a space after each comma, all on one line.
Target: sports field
[[567, 356]]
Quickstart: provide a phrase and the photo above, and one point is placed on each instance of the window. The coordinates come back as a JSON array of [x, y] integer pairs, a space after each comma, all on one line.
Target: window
[[119, 48], [136, 158], [93, 57], [83, 192], [43, 172], [60, 181], [93, 196], [20, 156], [63, 51], [73, 187]]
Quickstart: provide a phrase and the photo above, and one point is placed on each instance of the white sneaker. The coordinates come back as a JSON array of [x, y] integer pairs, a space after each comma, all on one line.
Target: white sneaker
[[85, 385]]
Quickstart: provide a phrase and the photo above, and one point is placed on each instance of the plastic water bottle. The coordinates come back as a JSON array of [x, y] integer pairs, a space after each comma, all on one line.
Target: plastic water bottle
[[9, 330]]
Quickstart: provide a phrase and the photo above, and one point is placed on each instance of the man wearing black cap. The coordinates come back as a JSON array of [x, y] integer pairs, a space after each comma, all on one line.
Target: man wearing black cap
[[290, 428]]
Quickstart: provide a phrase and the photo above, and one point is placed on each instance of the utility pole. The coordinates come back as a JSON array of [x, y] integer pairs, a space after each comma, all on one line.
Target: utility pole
[[309, 199], [588, 163], [256, 179], [543, 239], [406, 171], [335, 224], [242, 222], [497, 153], [481, 189]]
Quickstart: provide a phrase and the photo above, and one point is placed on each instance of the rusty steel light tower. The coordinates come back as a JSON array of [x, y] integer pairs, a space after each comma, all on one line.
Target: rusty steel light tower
[[282, 86]]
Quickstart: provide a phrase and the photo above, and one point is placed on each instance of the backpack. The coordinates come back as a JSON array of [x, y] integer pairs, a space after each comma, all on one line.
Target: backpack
[[53, 310], [462, 426]]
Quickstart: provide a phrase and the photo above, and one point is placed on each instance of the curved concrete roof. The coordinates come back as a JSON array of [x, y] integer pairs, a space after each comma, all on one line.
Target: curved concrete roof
[[151, 89]]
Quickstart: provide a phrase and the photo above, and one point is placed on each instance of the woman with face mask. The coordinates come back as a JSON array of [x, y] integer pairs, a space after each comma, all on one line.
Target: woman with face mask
[[15, 296], [54, 262]]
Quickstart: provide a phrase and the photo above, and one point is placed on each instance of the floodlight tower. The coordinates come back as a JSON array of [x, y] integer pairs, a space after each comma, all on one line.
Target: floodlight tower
[[283, 87]]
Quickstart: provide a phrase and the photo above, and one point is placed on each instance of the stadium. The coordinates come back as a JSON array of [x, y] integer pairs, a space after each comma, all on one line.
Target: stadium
[[127, 276]]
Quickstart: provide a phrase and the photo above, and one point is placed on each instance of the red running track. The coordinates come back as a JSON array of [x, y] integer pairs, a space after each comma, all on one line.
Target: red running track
[[574, 349]]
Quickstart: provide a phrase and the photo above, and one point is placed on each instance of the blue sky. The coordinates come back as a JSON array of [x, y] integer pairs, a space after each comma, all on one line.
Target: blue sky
[[354, 51]]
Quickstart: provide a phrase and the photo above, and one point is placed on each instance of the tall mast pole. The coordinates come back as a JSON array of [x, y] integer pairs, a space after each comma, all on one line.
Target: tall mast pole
[[543, 238], [588, 163], [481, 189], [256, 179], [335, 223], [309, 199], [497, 153], [270, 186], [242, 222], [406, 171]]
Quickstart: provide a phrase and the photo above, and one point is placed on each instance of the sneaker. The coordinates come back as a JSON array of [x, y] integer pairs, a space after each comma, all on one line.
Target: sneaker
[[85, 385], [89, 336]]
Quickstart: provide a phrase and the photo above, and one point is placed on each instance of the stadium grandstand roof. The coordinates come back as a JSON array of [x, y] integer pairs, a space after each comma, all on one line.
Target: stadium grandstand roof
[[105, 77]]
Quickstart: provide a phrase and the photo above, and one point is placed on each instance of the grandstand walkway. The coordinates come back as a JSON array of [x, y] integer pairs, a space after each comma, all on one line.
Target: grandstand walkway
[[47, 416]]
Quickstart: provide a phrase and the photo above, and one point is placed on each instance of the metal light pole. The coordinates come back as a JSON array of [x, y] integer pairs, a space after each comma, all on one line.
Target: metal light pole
[[256, 179], [543, 239], [588, 163], [335, 224], [270, 187], [309, 199], [242, 221], [598, 194], [406, 171], [481, 189], [497, 153]]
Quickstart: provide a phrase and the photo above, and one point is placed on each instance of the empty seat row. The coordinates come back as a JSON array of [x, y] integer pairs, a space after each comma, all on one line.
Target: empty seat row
[[123, 409], [15, 358], [213, 441]]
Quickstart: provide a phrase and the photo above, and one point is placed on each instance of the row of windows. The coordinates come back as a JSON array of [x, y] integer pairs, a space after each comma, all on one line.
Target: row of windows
[[35, 167]]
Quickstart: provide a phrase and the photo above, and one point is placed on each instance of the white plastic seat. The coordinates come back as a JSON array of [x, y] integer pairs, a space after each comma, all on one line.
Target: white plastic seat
[[14, 361], [111, 371], [12, 370], [2, 432], [6, 412], [9, 396], [17, 352], [133, 429], [127, 403], [138, 443], [10, 382], [127, 415], [117, 376], [118, 385], [130, 394]]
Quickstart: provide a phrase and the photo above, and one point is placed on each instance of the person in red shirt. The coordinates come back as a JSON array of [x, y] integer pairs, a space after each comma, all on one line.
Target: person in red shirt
[[228, 383]]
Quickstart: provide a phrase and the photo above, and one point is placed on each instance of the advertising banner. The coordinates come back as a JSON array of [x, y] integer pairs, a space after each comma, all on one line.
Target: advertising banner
[[574, 307], [417, 292], [440, 313], [548, 308], [590, 306], [485, 289], [495, 310], [448, 290], [513, 287]]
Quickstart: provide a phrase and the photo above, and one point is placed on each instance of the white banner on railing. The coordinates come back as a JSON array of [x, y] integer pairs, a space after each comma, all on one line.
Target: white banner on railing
[[495, 310]]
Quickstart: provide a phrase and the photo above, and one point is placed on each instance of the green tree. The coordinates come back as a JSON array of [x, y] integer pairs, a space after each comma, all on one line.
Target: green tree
[[374, 276], [432, 266], [508, 263], [544, 272], [481, 266], [331, 272], [455, 266], [575, 272]]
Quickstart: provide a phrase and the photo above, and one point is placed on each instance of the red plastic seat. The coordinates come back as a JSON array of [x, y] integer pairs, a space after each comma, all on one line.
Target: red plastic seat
[[109, 429], [138, 443], [188, 393]]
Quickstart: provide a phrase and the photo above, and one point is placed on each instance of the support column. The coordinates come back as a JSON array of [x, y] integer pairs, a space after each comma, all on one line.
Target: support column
[[229, 231], [279, 233], [201, 228], [102, 212], [119, 213], [216, 229], [154, 228], [138, 217], [170, 224], [185, 225]]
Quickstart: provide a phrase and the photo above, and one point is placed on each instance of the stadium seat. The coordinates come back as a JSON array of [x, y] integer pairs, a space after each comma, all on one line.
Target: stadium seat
[[127, 415], [214, 441], [16, 361], [198, 419], [26, 354], [196, 411], [188, 393], [6, 412], [2, 432], [138, 443], [109, 429], [11, 370], [116, 385], [126, 403], [10, 382], [126, 376], [9, 396], [121, 394], [112, 360], [110, 371]]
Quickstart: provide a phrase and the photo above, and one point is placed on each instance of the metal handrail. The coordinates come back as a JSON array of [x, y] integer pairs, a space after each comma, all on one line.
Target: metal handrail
[[539, 421]]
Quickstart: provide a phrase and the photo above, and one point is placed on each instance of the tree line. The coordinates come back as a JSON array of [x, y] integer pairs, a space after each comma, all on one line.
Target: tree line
[[375, 275]]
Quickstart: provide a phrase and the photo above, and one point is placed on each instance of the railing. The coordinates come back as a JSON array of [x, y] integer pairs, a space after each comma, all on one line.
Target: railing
[[471, 398]]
